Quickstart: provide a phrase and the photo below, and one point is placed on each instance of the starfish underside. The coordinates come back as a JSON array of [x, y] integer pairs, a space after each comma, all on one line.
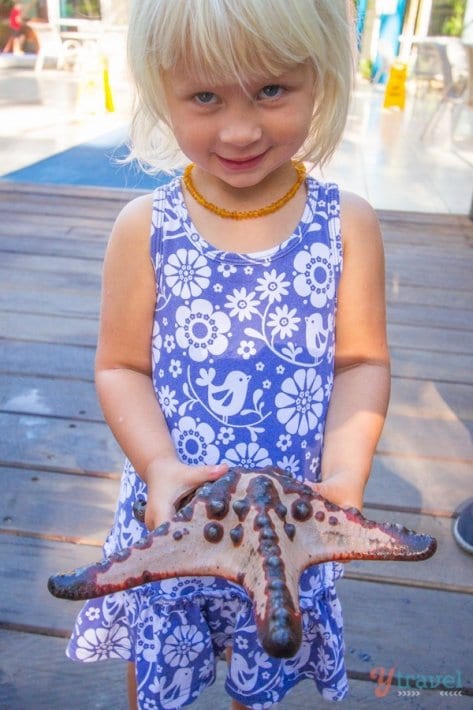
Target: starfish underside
[[260, 529]]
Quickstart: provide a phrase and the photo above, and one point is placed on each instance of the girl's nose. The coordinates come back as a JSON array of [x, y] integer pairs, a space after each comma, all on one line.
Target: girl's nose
[[240, 128]]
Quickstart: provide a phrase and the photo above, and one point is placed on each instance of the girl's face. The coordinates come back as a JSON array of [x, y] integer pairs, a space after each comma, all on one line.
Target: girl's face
[[241, 135]]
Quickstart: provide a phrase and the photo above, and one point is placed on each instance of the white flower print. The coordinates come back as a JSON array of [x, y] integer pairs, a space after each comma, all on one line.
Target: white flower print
[[336, 239], [169, 343], [283, 321], [187, 273], [325, 664], [207, 669], [290, 464], [329, 385], [167, 400], [333, 208], [93, 613], [246, 349], [226, 270], [242, 304], [248, 455], [299, 403], [157, 342], [98, 644], [273, 286], [226, 435], [194, 442], [284, 442], [316, 276], [201, 329], [183, 646], [175, 368]]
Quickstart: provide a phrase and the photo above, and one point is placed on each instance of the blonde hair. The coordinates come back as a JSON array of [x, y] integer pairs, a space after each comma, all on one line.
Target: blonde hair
[[233, 41]]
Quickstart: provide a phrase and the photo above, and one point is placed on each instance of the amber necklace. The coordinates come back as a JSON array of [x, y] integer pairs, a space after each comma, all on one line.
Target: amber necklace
[[245, 214]]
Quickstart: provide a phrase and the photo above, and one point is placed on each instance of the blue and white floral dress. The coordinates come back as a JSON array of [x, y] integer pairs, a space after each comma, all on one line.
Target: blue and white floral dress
[[243, 352]]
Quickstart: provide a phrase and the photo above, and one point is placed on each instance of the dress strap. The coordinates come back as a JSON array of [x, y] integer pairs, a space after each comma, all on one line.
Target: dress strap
[[157, 221]]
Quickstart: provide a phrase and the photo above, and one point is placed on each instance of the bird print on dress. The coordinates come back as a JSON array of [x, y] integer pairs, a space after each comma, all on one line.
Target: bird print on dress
[[226, 399], [316, 336]]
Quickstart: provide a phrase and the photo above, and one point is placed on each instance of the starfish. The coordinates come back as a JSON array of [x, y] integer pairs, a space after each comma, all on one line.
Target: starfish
[[260, 529]]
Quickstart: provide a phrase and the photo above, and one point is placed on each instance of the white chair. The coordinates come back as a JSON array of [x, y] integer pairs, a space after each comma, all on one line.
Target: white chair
[[51, 46]]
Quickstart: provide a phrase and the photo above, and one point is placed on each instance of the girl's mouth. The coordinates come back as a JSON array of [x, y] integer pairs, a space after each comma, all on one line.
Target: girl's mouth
[[241, 164]]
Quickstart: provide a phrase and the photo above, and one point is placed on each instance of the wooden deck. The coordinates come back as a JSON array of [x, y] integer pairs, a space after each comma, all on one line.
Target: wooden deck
[[60, 467]]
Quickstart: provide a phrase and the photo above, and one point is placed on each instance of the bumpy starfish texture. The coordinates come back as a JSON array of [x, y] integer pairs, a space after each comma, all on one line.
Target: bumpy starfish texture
[[260, 529]]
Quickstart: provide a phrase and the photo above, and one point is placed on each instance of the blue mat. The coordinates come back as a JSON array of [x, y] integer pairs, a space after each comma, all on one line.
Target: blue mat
[[92, 164]]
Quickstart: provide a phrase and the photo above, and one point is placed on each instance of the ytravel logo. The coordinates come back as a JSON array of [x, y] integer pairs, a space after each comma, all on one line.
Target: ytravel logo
[[411, 684]]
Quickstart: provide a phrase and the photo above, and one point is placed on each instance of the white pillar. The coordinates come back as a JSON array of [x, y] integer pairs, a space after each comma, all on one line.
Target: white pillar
[[467, 34], [53, 12]]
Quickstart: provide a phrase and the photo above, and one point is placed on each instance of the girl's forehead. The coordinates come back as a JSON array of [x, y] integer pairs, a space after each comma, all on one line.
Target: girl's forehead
[[192, 76]]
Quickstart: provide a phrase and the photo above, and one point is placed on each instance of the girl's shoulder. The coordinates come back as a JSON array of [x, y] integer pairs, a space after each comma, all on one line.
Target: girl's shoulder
[[358, 221], [129, 237], [134, 218]]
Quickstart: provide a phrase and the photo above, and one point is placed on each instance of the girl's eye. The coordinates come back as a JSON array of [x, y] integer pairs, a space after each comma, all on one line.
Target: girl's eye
[[205, 97], [272, 91]]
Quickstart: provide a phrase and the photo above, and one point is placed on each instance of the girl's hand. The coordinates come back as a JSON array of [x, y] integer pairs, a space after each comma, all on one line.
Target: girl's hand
[[341, 489], [170, 480]]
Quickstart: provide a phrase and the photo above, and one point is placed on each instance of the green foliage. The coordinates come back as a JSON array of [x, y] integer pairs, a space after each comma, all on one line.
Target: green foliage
[[453, 25], [80, 8]]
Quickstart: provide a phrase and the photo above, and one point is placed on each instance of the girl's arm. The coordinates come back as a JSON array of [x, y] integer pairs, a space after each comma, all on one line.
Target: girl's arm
[[362, 374], [123, 366]]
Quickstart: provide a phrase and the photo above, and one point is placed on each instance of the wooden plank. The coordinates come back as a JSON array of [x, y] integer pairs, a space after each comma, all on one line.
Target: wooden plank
[[396, 487], [418, 484], [428, 296], [75, 193], [62, 444], [448, 319], [59, 506], [57, 329], [427, 338], [77, 362], [431, 400], [80, 509], [56, 302], [428, 365], [413, 629], [40, 265], [52, 680], [30, 394], [87, 446], [427, 438], [25, 394], [50, 246], [88, 281], [416, 631], [50, 328], [45, 359]]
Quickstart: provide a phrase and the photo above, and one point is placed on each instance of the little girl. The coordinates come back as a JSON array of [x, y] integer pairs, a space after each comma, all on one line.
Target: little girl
[[243, 323]]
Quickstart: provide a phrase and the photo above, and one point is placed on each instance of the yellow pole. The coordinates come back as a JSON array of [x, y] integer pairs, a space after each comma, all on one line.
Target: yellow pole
[[107, 89]]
